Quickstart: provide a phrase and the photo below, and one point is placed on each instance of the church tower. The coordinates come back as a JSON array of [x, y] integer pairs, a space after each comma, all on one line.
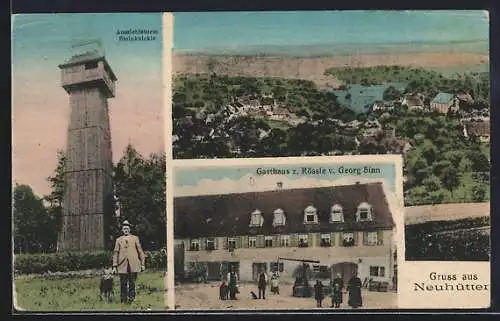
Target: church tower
[[88, 191]]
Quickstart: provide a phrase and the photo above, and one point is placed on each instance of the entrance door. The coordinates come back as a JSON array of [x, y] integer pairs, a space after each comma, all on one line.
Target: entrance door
[[256, 268], [213, 271], [346, 270]]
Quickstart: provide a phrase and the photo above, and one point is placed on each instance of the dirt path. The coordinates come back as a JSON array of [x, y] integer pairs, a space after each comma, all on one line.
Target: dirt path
[[206, 296], [456, 211]]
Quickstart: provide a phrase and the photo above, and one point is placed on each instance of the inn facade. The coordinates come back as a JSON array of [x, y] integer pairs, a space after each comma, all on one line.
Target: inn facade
[[346, 228]]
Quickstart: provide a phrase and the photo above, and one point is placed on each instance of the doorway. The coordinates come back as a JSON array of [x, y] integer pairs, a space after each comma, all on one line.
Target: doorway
[[256, 268], [345, 269]]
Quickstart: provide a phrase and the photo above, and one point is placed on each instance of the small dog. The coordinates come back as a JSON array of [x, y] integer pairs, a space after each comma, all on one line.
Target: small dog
[[224, 291], [106, 285]]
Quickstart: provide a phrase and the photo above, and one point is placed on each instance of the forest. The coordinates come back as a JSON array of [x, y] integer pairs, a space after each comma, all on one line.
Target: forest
[[441, 166]]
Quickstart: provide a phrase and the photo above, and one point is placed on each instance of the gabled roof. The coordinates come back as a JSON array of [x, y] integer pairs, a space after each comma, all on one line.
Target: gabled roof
[[478, 128], [413, 100], [229, 214], [442, 98]]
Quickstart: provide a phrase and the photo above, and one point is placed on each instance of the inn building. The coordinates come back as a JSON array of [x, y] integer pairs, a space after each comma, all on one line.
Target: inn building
[[347, 228]]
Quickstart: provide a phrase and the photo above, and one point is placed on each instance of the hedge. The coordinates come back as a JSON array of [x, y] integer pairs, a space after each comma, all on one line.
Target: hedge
[[77, 261]]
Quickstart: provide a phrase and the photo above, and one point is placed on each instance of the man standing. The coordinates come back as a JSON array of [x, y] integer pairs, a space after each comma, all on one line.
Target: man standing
[[232, 278], [128, 260], [262, 284]]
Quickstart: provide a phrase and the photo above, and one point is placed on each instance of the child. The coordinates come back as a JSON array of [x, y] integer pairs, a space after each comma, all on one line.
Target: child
[[275, 284], [106, 285], [223, 291]]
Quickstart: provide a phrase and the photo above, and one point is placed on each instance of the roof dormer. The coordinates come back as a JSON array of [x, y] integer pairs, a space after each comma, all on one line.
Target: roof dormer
[[310, 215], [279, 218], [336, 214], [364, 212], [256, 219]]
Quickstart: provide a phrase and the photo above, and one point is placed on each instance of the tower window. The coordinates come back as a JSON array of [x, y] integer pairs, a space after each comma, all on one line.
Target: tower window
[[91, 65]]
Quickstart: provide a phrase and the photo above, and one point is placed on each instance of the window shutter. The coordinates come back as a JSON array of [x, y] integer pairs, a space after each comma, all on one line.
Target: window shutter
[[260, 241], [294, 240], [244, 241], [310, 239], [239, 241], [203, 243], [365, 238], [225, 243], [341, 238], [317, 237], [355, 238], [276, 241], [332, 239], [380, 237]]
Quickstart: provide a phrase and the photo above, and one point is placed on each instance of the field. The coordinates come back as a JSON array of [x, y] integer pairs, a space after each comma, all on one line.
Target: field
[[313, 68], [81, 293], [465, 239], [206, 296]]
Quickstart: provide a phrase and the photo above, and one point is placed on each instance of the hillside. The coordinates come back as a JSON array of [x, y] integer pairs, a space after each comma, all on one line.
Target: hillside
[[313, 68]]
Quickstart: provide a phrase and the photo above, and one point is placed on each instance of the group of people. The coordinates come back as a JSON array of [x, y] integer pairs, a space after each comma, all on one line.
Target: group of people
[[336, 292], [263, 281], [229, 287], [229, 290]]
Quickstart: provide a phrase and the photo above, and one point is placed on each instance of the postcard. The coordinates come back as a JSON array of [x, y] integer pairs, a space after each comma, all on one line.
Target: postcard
[[287, 233], [88, 162], [325, 83]]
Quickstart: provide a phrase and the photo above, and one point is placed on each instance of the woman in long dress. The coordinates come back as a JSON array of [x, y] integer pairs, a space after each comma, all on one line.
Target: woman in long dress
[[354, 288]]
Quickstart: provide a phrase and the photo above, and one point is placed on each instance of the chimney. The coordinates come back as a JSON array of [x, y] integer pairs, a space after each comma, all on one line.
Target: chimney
[[279, 185]]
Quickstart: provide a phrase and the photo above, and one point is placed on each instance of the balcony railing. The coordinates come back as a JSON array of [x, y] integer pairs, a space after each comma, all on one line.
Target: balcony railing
[[82, 76]]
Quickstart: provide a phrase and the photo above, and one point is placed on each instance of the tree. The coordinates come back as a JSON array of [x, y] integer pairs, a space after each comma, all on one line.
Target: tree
[[56, 196], [31, 223], [391, 93], [429, 151], [480, 162], [432, 183], [450, 178], [478, 192], [140, 189], [416, 195]]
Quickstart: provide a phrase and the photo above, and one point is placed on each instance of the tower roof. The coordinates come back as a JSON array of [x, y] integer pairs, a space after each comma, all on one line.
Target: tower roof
[[89, 56]]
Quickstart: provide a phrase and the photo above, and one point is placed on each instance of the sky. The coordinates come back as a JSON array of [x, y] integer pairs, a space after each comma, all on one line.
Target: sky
[[40, 107], [241, 178], [196, 31]]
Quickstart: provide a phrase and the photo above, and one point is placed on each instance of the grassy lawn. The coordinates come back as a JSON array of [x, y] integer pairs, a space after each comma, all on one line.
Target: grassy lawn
[[39, 293]]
